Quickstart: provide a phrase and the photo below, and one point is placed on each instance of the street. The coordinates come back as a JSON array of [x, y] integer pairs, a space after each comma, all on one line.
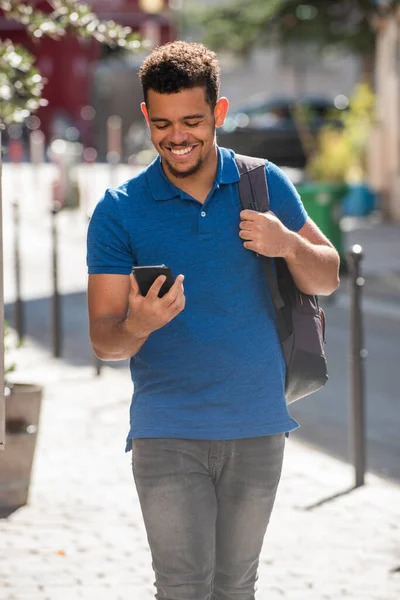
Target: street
[[324, 417], [318, 93]]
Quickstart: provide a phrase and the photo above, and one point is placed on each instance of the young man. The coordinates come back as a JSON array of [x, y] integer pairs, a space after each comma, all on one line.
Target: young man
[[208, 413]]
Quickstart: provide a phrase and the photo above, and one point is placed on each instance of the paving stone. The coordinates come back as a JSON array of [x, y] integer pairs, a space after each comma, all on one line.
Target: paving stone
[[82, 535]]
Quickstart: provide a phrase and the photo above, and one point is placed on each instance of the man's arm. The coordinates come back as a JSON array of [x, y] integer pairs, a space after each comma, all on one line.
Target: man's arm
[[121, 319], [311, 258], [313, 261]]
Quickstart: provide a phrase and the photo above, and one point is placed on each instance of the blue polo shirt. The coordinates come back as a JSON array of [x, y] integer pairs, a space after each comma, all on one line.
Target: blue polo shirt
[[216, 371]]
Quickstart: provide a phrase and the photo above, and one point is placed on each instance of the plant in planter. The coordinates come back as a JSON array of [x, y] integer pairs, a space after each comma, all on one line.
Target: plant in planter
[[23, 403], [341, 154]]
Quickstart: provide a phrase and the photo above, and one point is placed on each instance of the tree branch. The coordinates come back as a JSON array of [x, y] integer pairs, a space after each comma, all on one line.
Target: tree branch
[[21, 84], [69, 16]]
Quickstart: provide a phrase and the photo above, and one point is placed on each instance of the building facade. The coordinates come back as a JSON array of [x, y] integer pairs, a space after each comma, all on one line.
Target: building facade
[[68, 64], [384, 166]]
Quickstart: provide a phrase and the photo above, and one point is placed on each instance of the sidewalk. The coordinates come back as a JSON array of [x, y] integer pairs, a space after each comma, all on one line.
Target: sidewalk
[[82, 537], [380, 266]]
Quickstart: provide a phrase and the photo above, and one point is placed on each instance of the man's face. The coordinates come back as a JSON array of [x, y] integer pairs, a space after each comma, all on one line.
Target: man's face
[[182, 127]]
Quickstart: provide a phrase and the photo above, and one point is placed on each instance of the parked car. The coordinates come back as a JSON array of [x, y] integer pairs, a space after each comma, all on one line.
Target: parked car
[[267, 128]]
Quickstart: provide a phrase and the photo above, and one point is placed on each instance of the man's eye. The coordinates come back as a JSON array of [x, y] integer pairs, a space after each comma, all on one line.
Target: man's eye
[[161, 126], [193, 124]]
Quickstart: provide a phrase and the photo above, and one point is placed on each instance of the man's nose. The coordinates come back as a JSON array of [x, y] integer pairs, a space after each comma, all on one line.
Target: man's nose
[[178, 135]]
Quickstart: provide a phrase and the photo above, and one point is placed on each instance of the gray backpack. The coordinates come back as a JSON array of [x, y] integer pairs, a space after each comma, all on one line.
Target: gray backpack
[[299, 319]]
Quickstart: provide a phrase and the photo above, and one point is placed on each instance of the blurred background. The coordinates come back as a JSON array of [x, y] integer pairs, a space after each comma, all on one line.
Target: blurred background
[[314, 87]]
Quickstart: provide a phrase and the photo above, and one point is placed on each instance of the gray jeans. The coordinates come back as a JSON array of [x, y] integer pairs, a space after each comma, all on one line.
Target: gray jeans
[[206, 506]]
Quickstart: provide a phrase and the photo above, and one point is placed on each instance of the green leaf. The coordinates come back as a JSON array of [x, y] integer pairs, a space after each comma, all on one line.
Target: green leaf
[[21, 84], [242, 24]]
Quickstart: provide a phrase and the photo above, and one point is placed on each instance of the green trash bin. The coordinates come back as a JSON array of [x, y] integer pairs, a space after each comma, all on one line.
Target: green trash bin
[[323, 203]]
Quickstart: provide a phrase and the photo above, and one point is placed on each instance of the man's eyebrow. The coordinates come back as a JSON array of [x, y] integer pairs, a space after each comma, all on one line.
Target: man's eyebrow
[[186, 118], [198, 116], [158, 119]]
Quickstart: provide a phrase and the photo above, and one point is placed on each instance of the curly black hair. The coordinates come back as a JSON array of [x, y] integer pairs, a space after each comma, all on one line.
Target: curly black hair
[[181, 65]]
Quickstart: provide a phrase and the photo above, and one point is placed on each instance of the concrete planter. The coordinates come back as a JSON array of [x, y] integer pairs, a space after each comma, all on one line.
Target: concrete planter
[[23, 404]]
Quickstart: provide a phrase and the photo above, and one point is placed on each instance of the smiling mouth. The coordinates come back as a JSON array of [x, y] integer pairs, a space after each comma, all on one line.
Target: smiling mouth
[[182, 151]]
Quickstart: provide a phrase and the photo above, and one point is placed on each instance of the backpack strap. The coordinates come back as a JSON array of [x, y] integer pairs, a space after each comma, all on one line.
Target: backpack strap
[[253, 193], [253, 187]]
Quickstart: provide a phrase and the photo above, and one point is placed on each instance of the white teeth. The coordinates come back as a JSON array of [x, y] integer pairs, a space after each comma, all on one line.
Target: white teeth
[[181, 152]]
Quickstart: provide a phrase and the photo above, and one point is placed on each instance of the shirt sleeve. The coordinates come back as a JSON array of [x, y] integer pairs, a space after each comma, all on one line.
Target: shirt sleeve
[[108, 246], [284, 199]]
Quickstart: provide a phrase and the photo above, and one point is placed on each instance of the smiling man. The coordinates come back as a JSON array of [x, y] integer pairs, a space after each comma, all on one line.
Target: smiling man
[[183, 138], [208, 415], [183, 131]]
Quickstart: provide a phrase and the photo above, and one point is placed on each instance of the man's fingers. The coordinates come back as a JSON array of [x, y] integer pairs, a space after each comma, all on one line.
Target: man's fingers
[[178, 304], [134, 285], [245, 225], [171, 294], [250, 245], [248, 215], [174, 292], [246, 235], [156, 287], [253, 215]]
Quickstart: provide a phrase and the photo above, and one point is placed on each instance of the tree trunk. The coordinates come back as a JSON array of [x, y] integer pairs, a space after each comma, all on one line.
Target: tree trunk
[[2, 398], [368, 69]]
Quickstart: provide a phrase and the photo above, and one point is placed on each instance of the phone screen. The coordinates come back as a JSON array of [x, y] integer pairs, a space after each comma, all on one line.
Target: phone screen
[[146, 276]]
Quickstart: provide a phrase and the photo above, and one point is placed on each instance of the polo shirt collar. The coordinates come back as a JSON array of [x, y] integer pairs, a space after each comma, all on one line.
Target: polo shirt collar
[[228, 171], [160, 186], [163, 189]]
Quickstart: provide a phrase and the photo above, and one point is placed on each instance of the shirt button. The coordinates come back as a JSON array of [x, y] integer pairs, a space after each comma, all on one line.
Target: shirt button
[[203, 213]]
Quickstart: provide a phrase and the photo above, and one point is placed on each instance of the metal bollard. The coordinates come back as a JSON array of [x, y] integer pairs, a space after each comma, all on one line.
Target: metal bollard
[[98, 365], [357, 357], [114, 146], [56, 308], [18, 305]]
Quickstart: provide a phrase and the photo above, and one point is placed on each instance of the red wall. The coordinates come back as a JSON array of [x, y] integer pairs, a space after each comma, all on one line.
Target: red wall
[[67, 63]]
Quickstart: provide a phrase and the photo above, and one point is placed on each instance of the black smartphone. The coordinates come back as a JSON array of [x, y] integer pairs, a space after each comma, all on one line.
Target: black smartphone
[[146, 276]]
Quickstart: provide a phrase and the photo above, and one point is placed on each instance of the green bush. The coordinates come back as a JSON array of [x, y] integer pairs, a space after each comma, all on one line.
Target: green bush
[[341, 154]]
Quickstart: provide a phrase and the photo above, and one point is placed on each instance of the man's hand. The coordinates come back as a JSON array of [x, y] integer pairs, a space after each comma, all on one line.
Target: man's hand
[[148, 313], [310, 256], [265, 234]]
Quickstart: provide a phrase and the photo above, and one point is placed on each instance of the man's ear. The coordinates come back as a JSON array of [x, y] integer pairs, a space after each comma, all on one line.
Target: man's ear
[[144, 110], [221, 108]]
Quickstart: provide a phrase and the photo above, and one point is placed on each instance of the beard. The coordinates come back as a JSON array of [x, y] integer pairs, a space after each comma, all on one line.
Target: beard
[[182, 174]]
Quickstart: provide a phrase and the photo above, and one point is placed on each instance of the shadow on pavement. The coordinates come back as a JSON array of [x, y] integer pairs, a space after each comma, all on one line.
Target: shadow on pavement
[[328, 499], [75, 345]]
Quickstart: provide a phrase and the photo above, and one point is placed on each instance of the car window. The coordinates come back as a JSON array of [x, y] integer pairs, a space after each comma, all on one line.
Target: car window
[[282, 115], [271, 116]]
